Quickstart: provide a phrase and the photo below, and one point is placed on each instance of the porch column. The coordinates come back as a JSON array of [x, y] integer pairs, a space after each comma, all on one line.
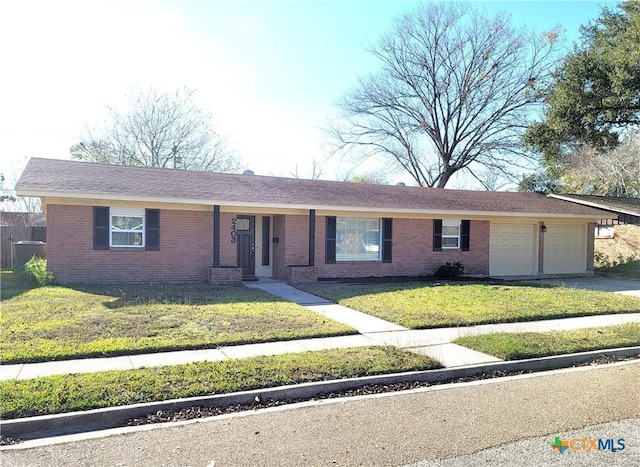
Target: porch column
[[216, 236], [312, 237]]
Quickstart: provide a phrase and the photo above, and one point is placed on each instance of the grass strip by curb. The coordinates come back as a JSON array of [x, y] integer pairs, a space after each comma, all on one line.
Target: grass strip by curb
[[66, 393], [517, 346], [433, 305]]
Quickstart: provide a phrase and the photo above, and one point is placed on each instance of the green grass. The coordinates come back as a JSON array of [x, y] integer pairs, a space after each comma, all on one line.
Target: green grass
[[420, 306], [65, 393], [10, 285], [629, 270], [530, 345], [56, 323]]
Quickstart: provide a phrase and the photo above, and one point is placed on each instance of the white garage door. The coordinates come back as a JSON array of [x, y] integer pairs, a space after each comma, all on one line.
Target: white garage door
[[512, 250], [565, 249]]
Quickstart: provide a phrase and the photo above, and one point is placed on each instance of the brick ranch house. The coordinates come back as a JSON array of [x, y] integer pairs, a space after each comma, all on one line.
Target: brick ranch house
[[110, 223], [618, 236]]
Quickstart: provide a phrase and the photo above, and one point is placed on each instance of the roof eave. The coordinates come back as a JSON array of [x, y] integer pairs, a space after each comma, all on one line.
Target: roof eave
[[594, 205], [343, 208]]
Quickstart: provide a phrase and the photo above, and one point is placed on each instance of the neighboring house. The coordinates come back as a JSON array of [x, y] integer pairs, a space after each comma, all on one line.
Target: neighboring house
[[617, 238], [109, 223]]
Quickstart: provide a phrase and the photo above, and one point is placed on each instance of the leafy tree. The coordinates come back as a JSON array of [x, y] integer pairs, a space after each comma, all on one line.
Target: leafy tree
[[540, 182], [159, 130], [455, 92], [596, 92], [370, 178]]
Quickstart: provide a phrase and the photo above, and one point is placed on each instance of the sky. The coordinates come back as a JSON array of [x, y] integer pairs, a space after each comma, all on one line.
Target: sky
[[269, 72]]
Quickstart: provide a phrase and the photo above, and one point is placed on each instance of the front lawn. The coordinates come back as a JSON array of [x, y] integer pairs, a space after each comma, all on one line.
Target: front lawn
[[531, 345], [419, 306], [56, 323], [66, 393]]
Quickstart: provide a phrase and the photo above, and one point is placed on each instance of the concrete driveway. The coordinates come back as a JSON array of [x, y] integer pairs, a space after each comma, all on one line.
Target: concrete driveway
[[606, 284]]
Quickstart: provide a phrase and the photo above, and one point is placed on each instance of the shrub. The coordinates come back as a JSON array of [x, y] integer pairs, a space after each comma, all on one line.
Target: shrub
[[35, 270], [602, 261], [448, 269]]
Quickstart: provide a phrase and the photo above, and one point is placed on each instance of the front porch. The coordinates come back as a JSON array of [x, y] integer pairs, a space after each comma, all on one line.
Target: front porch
[[263, 245]]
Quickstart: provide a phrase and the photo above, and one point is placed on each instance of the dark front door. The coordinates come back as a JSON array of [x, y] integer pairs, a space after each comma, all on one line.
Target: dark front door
[[246, 238]]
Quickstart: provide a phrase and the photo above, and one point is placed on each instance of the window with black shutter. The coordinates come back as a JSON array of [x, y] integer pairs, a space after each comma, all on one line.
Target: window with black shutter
[[465, 227], [437, 235], [152, 229], [100, 228], [266, 237], [387, 228]]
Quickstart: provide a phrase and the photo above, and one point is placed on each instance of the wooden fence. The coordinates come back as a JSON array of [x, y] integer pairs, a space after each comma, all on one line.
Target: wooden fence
[[15, 233]]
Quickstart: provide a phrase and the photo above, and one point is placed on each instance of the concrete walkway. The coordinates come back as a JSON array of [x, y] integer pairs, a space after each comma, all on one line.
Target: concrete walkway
[[435, 343], [362, 322]]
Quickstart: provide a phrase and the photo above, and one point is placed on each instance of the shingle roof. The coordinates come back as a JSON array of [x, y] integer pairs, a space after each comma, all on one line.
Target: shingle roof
[[62, 178], [629, 206]]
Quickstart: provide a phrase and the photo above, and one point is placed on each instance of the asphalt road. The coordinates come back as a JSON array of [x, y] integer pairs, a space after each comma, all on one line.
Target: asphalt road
[[508, 421]]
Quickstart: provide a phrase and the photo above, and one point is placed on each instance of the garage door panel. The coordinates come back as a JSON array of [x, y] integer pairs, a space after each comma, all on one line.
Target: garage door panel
[[564, 249], [512, 249]]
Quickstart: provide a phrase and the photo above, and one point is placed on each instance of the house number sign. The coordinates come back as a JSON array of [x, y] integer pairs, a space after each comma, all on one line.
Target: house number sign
[[233, 230]]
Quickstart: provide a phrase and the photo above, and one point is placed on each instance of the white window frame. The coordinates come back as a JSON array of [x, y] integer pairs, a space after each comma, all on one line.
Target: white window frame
[[367, 248], [452, 223], [604, 231], [126, 212]]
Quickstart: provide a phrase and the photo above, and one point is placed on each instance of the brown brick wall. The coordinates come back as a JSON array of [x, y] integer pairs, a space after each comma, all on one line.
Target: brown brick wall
[[412, 251], [227, 275], [228, 249], [625, 243], [186, 249], [297, 244]]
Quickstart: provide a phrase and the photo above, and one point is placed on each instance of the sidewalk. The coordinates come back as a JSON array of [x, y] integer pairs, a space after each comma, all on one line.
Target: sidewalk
[[435, 343]]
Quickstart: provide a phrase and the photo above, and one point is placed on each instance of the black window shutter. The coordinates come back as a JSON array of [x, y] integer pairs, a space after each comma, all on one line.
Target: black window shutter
[[152, 229], [465, 228], [387, 228], [266, 239], [330, 240], [100, 228], [437, 235]]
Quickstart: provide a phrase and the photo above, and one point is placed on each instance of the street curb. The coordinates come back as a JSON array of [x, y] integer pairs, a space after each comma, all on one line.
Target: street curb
[[46, 426]]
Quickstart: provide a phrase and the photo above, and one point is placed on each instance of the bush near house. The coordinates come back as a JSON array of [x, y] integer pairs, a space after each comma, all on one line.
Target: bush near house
[[35, 270]]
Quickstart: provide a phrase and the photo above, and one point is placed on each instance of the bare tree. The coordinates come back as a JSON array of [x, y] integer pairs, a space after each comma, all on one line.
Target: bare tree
[[456, 87], [614, 172], [490, 179], [316, 171], [159, 130]]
